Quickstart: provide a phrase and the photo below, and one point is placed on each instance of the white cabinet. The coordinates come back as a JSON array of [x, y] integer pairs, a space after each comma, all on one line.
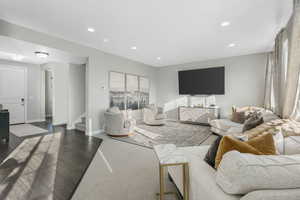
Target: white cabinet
[[198, 115]]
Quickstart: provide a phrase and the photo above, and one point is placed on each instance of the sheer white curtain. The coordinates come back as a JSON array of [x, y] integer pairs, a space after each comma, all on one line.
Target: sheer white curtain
[[291, 103], [296, 110], [269, 101], [276, 74]]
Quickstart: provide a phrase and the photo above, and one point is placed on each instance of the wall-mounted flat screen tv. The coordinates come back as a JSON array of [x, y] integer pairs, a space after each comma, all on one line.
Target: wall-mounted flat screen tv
[[208, 81]]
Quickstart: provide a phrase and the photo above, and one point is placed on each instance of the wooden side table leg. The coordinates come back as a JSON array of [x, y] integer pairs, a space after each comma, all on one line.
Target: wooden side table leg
[[161, 182], [186, 181]]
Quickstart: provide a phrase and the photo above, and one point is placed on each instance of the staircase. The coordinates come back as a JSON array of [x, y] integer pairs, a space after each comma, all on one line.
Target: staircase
[[81, 126]]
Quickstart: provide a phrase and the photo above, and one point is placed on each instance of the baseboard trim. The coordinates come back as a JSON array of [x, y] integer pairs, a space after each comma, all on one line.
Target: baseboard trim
[[35, 120], [59, 124], [100, 131]]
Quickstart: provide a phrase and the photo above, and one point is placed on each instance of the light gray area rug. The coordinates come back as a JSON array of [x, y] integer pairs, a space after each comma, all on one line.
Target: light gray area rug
[[177, 133], [23, 130]]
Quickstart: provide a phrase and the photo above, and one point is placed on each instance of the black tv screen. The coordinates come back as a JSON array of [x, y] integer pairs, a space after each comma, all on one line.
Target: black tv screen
[[207, 81]]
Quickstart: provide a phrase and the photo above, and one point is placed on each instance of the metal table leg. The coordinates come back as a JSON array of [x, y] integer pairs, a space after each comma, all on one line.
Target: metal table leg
[[185, 174]]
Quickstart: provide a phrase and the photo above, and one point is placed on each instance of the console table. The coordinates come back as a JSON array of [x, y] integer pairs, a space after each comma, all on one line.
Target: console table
[[198, 115]]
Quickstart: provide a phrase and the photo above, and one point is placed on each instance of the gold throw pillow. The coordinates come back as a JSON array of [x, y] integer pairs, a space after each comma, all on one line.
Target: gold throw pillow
[[261, 145]]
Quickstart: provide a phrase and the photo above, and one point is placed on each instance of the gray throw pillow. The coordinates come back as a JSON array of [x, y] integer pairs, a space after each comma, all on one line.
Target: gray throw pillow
[[212, 152], [254, 119]]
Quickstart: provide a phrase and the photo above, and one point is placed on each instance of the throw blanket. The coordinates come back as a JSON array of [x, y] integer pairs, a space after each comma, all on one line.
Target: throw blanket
[[286, 126]]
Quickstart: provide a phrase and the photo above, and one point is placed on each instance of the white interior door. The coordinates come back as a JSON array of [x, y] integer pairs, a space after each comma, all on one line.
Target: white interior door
[[12, 92]]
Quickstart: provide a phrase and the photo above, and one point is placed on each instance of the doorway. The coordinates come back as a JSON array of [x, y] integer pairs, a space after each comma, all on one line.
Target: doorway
[[57, 95], [12, 93], [49, 95]]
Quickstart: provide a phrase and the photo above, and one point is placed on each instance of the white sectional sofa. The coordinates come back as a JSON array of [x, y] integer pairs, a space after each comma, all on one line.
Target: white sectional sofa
[[202, 176], [203, 183], [227, 127]]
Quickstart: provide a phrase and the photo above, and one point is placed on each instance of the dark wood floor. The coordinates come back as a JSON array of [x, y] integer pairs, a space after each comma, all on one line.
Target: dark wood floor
[[48, 166]]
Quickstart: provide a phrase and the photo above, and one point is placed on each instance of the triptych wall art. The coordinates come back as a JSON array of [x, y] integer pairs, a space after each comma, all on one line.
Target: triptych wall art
[[128, 91]]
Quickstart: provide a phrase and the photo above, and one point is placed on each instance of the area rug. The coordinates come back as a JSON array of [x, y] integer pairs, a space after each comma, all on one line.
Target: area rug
[[47, 167], [171, 133], [23, 130]]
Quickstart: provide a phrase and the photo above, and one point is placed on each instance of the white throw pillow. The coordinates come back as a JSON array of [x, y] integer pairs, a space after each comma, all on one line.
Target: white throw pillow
[[241, 173], [269, 116], [223, 124]]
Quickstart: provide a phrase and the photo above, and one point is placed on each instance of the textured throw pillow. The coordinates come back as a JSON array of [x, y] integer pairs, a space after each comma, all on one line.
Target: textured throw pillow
[[261, 145], [242, 173], [238, 115], [212, 152], [254, 119]]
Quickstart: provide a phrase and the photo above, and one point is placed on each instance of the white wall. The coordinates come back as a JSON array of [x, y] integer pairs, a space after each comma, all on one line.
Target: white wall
[[33, 89], [244, 83], [60, 74], [99, 64], [76, 93]]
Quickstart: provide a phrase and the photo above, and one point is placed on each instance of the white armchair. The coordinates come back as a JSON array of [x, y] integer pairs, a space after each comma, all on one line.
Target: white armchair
[[153, 117], [115, 125]]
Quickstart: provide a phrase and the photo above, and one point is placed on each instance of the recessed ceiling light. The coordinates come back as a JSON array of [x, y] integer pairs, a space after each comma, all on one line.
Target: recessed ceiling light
[[231, 45], [133, 48], [158, 58], [105, 40], [225, 23], [91, 30], [41, 54]]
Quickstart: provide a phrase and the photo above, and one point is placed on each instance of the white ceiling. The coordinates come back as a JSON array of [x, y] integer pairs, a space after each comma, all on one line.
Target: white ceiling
[[16, 50], [178, 31]]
